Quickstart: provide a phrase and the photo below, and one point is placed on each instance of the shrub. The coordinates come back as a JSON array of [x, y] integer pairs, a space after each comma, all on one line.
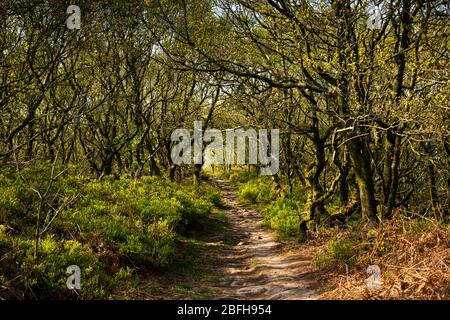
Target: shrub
[[241, 176], [115, 224], [192, 206], [418, 226], [283, 215], [3, 237], [45, 276], [155, 245], [337, 254], [151, 209], [211, 194], [257, 191], [280, 214], [16, 202]]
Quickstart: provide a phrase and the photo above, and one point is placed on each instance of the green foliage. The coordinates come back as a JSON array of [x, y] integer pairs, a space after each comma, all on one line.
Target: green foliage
[[155, 245], [337, 254], [418, 226], [46, 275], [168, 209], [20, 192], [241, 176], [114, 225], [15, 200], [360, 245], [257, 191], [280, 214], [211, 194], [5, 242], [283, 215]]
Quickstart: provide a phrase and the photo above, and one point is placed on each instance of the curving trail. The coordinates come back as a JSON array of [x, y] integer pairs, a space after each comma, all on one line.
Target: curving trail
[[258, 266]]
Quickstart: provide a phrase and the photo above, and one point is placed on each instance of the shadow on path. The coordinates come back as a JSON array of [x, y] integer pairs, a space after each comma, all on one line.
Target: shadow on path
[[258, 266]]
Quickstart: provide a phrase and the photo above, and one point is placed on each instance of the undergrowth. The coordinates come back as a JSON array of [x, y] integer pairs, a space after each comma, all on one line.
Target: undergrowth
[[109, 228]]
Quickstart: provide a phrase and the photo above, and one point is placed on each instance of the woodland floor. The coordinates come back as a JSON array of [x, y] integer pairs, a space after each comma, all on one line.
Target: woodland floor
[[232, 256]]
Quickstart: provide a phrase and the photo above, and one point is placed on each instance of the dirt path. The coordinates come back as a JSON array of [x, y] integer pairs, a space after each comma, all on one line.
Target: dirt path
[[231, 256], [258, 266]]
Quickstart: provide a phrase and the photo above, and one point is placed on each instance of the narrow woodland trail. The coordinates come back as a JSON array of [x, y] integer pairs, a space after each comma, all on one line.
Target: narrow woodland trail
[[258, 266]]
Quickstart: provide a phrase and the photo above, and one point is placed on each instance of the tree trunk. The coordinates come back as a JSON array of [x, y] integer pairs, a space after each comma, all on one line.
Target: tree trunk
[[394, 179], [364, 178]]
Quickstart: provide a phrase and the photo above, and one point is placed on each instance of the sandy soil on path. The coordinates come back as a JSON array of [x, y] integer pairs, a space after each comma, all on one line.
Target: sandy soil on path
[[259, 266]]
